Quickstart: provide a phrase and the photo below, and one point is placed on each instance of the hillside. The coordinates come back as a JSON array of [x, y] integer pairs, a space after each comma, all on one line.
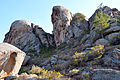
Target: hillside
[[78, 49]]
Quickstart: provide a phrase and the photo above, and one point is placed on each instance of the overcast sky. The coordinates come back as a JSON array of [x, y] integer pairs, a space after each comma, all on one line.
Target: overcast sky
[[39, 11]]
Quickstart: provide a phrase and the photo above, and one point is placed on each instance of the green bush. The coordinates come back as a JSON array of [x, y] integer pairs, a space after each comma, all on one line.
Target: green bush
[[79, 17], [118, 20], [95, 53], [46, 51], [31, 51], [101, 20]]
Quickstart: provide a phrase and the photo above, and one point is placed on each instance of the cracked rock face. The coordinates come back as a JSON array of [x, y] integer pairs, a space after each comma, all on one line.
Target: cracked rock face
[[67, 27], [11, 59], [61, 18], [28, 36]]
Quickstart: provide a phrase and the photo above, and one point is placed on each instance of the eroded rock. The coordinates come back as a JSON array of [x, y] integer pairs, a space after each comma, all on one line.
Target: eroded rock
[[101, 41], [11, 59], [105, 74], [112, 58], [78, 27], [66, 26], [61, 18], [28, 36]]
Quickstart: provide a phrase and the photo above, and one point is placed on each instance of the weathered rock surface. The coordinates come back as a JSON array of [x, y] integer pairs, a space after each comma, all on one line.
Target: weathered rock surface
[[78, 27], [112, 58], [28, 37], [61, 18], [27, 58], [11, 59], [66, 26], [10, 78], [105, 74], [101, 42], [112, 29], [46, 39], [23, 76], [113, 38]]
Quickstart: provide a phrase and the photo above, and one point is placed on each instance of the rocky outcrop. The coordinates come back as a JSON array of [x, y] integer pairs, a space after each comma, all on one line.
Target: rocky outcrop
[[11, 59], [113, 13], [61, 18], [66, 26], [28, 36], [78, 27], [84, 50], [45, 38], [112, 58]]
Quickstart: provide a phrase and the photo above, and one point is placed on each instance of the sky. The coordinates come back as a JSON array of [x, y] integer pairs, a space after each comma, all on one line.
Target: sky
[[39, 11]]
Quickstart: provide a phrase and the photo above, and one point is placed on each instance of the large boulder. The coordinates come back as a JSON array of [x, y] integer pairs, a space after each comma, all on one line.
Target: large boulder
[[28, 36], [61, 18], [11, 59]]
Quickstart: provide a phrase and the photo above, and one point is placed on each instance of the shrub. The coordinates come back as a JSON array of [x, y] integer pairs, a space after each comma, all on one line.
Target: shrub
[[31, 51], [86, 76], [101, 20], [98, 48], [118, 20], [95, 53], [46, 74], [46, 51], [80, 57], [79, 17]]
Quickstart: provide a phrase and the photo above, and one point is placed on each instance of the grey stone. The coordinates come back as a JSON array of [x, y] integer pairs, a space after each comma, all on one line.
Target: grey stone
[[53, 60], [26, 60], [112, 29], [113, 38], [101, 41], [112, 59], [105, 74], [28, 36], [11, 78]]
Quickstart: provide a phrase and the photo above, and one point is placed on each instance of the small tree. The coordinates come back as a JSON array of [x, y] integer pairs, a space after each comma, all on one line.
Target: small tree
[[101, 20]]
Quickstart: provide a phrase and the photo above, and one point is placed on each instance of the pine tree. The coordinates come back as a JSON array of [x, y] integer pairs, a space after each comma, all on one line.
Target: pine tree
[[101, 20]]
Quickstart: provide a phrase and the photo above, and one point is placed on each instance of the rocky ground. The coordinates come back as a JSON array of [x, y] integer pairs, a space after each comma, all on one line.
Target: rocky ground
[[78, 49]]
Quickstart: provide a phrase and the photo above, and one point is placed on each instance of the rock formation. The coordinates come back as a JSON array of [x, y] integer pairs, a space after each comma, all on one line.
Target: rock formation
[[78, 27], [66, 26], [11, 59], [28, 36], [61, 18], [84, 50]]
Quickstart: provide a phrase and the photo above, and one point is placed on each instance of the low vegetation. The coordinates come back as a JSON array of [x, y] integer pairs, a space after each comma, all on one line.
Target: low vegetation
[[31, 51], [118, 20], [79, 17], [45, 74], [46, 51], [95, 53]]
